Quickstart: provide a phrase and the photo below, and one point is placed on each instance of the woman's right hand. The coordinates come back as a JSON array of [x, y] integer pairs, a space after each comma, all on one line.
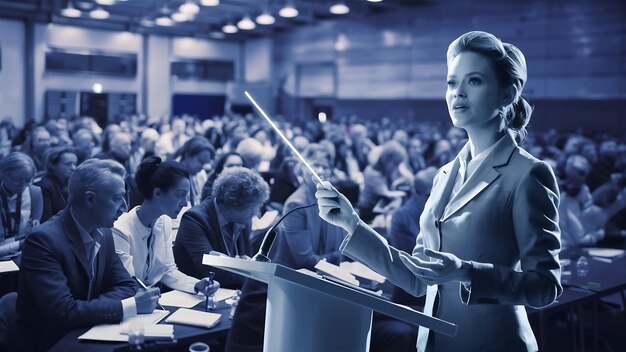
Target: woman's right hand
[[335, 208]]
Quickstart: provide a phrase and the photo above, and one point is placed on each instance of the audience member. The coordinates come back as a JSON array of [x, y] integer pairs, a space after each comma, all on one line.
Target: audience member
[[60, 164], [143, 236], [221, 223], [70, 276]]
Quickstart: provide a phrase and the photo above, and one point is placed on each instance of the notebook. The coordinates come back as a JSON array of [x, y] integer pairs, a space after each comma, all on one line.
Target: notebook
[[194, 318]]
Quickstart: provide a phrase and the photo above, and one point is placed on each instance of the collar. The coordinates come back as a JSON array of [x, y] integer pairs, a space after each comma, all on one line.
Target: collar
[[221, 220], [465, 158], [85, 236]]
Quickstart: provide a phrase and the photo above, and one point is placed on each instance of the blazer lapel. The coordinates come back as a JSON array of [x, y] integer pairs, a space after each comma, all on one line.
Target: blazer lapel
[[441, 192], [75, 241], [101, 262], [482, 178]]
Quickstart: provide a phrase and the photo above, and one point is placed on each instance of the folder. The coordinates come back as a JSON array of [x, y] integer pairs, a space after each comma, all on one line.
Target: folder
[[194, 318]]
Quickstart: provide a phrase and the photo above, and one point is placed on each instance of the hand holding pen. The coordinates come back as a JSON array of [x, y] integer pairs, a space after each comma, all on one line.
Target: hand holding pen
[[147, 298]]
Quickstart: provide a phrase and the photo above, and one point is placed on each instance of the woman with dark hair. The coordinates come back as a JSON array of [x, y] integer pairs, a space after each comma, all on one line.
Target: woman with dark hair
[[143, 236], [228, 160], [60, 163], [489, 234]]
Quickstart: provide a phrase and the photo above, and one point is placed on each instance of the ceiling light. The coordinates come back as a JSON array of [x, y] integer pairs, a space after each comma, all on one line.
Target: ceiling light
[[210, 2], [96, 88], [105, 2], [71, 11], [99, 13], [339, 9], [229, 28], [375, 0], [246, 23], [189, 8], [180, 17], [288, 11], [164, 21], [265, 19]]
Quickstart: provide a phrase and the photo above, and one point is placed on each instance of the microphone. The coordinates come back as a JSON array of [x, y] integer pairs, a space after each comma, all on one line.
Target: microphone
[[270, 236]]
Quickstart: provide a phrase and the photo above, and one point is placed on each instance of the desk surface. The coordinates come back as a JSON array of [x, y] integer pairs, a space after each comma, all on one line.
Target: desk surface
[[182, 333]]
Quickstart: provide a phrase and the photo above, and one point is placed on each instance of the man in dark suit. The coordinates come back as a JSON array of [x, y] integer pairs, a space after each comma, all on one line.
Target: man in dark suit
[[70, 276], [221, 223]]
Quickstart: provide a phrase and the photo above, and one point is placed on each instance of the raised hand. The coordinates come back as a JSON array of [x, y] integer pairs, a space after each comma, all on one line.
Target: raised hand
[[335, 208]]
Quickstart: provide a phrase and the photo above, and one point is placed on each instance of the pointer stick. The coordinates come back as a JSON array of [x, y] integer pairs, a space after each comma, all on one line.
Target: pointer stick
[[293, 149]]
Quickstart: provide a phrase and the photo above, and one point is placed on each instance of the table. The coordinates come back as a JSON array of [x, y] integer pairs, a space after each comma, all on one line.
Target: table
[[183, 334], [602, 279]]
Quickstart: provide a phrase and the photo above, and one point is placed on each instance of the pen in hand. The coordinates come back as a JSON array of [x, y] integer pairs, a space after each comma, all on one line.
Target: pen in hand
[[145, 288]]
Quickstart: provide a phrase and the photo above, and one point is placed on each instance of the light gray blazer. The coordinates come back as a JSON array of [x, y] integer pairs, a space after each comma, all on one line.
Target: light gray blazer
[[504, 219]]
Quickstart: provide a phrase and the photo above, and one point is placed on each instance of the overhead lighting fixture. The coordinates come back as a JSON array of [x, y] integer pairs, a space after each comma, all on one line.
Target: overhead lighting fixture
[[71, 11], [265, 19], [209, 2], [230, 28], [189, 8], [105, 2], [246, 23], [180, 17], [99, 13], [339, 9], [375, 0], [164, 21], [96, 88], [289, 11]]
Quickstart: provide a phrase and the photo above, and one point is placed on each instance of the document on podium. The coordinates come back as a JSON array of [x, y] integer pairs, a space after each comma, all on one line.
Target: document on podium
[[115, 332]]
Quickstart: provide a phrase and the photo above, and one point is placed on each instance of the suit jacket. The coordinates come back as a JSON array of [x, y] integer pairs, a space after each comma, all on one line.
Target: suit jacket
[[504, 219], [304, 238], [54, 195], [199, 233], [54, 283]]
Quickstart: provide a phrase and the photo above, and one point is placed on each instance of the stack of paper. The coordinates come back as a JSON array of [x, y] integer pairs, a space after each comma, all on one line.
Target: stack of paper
[[606, 254], [115, 332], [337, 272], [194, 317]]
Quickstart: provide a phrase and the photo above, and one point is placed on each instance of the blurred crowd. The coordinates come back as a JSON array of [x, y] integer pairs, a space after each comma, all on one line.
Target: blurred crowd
[[380, 165]]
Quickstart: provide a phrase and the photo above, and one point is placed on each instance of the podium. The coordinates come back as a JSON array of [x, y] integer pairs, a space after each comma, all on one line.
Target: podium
[[306, 313]]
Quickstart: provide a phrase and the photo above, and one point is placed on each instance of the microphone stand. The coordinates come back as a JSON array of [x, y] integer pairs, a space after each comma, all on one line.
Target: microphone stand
[[270, 236]]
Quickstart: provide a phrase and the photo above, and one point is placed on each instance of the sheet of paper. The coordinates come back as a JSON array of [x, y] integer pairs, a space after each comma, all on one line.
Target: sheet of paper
[[223, 293], [360, 270], [194, 318], [8, 266], [336, 271], [176, 298], [113, 332]]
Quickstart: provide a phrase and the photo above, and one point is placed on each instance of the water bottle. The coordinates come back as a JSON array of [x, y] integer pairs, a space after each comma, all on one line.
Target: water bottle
[[135, 335], [582, 266], [233, 306], [210, 302]]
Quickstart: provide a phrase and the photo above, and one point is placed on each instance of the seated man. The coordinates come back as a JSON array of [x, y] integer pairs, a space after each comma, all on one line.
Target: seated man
[[221, 223], [70, 276]]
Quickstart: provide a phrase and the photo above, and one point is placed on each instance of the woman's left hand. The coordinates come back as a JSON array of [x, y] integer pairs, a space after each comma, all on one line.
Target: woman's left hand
[[205, 286], [445, 267]]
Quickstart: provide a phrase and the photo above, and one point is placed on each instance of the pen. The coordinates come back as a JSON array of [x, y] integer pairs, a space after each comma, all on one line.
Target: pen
[[145, 288]]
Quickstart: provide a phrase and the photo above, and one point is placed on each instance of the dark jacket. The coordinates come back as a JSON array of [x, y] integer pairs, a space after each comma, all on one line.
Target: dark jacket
[[199, 233], [54, 283]]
